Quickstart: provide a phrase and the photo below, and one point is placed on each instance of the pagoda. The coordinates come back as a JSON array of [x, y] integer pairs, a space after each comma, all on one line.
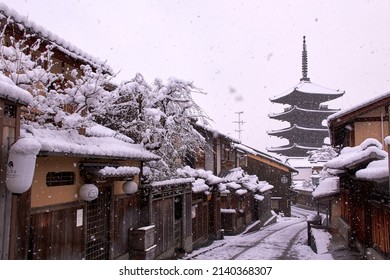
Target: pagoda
[[305, 112]]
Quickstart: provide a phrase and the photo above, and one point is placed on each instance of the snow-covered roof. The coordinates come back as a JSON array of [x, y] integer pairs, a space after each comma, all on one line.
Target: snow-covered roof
[[119, 171], [375, 171], [309, 87], [302, 186], [171, 182], [71, 142], [98, 130], [372, 100], [298, 128], [216, 133], [207, 175], [8, 90], [199, 186], [295, 108], [237, 178], [327, 187], [369, 149], [252, 151], [233, 175], [64, 46]]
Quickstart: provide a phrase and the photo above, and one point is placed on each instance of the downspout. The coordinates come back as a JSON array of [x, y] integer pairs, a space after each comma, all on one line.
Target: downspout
[[382, 131]]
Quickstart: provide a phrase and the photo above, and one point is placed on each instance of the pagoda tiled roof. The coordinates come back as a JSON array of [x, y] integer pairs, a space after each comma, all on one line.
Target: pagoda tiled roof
[[306, 88]]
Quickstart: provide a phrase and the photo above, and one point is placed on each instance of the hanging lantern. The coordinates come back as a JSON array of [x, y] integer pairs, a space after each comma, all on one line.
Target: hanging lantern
[[88, 192], [129, 187], [20, 172]]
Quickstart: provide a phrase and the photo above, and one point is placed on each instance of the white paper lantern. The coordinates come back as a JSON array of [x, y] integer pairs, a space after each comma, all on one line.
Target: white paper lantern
[[20, 172], [129, 187], [88, 192]]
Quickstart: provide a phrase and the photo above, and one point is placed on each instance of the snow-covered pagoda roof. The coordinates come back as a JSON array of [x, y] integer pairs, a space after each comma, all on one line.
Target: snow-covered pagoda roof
[[70, 142], [319, 93], [293, 150], [295, 111], [23, 22], [297, 129], [9, 91]]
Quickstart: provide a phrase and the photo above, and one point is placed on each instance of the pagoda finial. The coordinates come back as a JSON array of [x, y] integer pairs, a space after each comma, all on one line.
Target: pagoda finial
[[304, 61]]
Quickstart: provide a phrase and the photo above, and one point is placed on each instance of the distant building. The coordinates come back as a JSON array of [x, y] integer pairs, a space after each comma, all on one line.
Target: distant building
[[305, 113]]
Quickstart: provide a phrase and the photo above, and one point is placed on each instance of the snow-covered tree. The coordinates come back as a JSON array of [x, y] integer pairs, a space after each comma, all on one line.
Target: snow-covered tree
[[58, 103], [160, 116], [323, 154]]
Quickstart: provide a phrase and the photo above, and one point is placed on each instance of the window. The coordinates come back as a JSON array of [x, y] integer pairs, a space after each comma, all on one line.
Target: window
[[9, 111], [60, 179]]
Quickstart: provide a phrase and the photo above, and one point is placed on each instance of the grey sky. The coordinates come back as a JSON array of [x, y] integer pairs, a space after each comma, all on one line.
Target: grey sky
[[240, 52]]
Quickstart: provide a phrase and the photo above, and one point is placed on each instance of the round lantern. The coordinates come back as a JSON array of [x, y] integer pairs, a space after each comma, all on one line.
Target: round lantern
[[20, 172], [88, 192], [129, 187]]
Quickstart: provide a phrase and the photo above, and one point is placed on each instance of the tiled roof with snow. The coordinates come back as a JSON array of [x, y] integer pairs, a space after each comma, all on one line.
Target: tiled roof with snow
[[199, 186], [207, 175], [171, 182], [252, 151], [98, 130], [329, 186], [119, 171], [64, 46], [358, 106], [369, 149], [8, 90], [309, 87], [375, 170], [71, 142], [216, 133]]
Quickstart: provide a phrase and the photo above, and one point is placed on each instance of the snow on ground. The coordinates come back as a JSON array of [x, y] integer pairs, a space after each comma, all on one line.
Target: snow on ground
[[284, 240]]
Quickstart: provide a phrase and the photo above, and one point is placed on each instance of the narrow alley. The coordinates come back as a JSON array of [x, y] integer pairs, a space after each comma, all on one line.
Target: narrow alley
[[284, 240]]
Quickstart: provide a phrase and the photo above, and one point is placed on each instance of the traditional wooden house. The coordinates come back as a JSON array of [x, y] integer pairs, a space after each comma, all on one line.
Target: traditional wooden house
[[271, 170], [367, 196], [167, 205], [244, 199], [327, 199], [218, 154], [12, 98], [206, 215], [360, 196], [51, 219], [83, 198]]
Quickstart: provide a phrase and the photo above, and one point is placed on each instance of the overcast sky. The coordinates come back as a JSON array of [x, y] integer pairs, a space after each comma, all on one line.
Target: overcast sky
[[240, 52]]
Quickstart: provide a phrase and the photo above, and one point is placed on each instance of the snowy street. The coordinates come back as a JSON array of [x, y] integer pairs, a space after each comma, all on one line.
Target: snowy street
[[284, 240]]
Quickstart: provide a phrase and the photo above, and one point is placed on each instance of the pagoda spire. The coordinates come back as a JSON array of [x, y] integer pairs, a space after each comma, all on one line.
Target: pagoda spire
[[304, 61]]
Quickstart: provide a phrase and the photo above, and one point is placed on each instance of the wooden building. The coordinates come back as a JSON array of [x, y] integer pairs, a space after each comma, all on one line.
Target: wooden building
[[271, 170], [12, 98], [50, 220], [206, 205], [167, 205], [244, 200], [364, 197], [83, 198], [218, 154]]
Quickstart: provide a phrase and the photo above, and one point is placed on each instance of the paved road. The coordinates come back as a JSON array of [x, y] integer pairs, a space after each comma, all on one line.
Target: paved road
[[285, 240]]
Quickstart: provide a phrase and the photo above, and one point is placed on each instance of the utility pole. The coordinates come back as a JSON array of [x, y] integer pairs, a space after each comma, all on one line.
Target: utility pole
[[240, 123]]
